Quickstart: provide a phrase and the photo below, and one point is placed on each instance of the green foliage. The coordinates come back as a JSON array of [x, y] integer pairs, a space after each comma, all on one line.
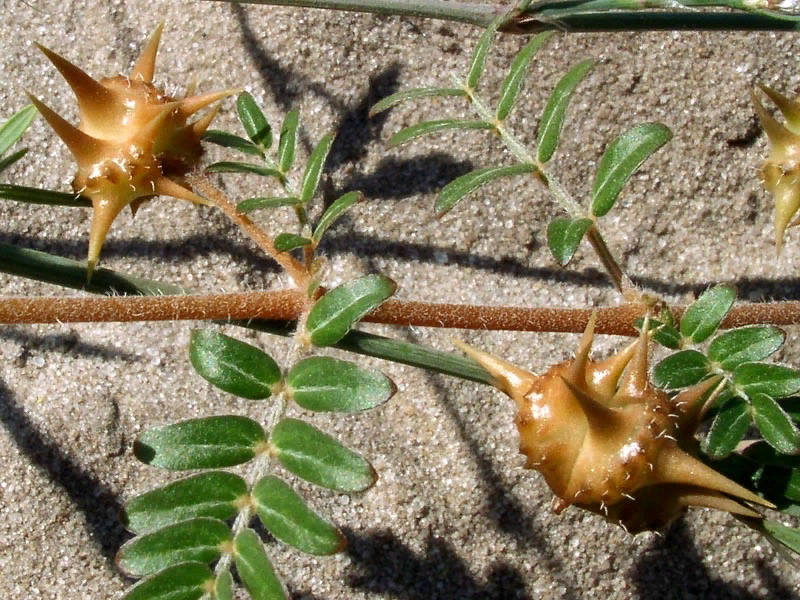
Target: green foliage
[[564, 236], [750, 395], [185, 581], [254, 121], [342, 307], [317, 457], [323, 383], [623, 156], [233, 366], [255, 569], [516, 74]]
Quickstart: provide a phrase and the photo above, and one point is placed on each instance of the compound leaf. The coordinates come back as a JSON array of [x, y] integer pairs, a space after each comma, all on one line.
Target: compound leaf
[[286, 516], [233, 366], [198, 539], [621, 160], [205, 443], [317, 457], [213, 494], [553, 116], [342, 307], [323, 383]]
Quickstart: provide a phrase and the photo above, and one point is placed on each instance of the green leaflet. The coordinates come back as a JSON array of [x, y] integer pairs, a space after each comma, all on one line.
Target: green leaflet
[[705, 314], [681, 369], [746, 344], [255, 569], [775, 425], [254, 121], [426, 127], [234, 142], [728, 428], [313, 171], [286, 516], [405, 95], [198, 540], [251, 204], [459, 188], [186, 581], [319, 458], [212, 494], [516, 75], [620, 161], [205, 443], [564, 236], [16, 125], [323, 383], [284, 242], [334, 211], [342, 307], [553, 116], [233, 366], [288, 140]]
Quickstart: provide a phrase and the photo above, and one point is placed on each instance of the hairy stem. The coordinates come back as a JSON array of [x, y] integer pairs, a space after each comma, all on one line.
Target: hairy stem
[[288, 305]]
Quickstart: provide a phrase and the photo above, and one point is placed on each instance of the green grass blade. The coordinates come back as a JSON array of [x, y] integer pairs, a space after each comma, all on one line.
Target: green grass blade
[[11, 131], [12, 158], [31, 195], [553, 116], [459, 188], [419, 129], [516, 75], [397, 98]]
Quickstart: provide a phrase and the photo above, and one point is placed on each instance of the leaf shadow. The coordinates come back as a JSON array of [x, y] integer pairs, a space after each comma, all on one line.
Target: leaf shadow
[[674, 568], [96, 501], [384, 565]]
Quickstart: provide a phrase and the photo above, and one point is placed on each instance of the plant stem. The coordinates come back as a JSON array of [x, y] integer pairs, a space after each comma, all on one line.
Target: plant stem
[[287, 305]]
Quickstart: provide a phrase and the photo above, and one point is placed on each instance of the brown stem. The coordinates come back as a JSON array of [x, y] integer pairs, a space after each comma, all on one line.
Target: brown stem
[[289, 305], [293, 267]]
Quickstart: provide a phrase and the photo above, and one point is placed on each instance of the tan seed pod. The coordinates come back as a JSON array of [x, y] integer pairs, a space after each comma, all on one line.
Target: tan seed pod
[[134, 141], [606, 440]]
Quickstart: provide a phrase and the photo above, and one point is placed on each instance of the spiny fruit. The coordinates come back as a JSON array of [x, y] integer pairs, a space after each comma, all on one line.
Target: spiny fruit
[[134, 141], [781, 171], [607, 441]]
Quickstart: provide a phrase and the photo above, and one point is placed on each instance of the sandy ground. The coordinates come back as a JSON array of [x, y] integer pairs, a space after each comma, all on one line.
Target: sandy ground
[[454, 515]]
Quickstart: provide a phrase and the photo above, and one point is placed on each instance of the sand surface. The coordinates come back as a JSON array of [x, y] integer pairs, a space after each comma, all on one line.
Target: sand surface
[[454, 514]]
